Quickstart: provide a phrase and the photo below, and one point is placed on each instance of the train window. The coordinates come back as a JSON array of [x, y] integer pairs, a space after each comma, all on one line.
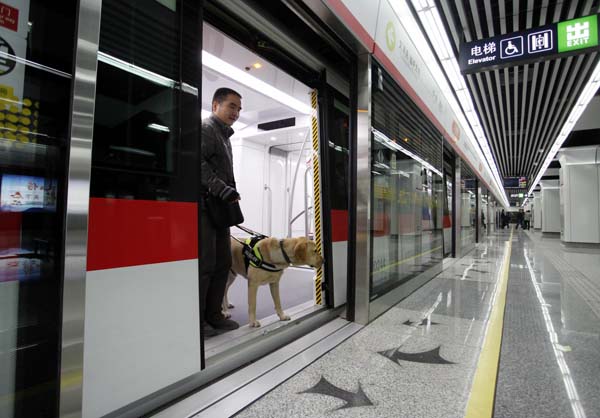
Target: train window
[[138, 135], [468, 192], [407, 190]]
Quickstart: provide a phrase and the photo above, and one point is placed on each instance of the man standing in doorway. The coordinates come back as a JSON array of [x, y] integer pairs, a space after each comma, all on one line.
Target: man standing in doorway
[[217, 179]]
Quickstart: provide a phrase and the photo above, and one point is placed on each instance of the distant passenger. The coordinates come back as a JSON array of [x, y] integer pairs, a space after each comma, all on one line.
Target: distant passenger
[[527, 219], [483, 220], [217, 182], [520, 218], [503, 220]]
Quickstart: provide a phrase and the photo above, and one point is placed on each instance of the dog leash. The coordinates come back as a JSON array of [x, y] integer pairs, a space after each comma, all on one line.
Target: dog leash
[[251, 232]]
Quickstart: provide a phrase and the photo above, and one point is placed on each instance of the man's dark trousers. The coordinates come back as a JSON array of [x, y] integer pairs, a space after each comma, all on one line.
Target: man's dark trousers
[[215, 263]]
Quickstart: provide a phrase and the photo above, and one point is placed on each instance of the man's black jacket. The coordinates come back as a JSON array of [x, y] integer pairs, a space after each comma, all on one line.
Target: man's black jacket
[[217, 160]]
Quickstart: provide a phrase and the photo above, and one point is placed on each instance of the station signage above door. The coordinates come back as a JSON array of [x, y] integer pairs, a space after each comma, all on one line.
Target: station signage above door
[[564, 38]]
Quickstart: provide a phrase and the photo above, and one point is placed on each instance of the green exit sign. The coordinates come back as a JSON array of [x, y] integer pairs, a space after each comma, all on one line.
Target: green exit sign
[[577, 34]]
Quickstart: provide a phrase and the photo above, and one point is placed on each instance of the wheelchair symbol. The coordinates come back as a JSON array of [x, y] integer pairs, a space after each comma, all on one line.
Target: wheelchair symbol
[[512, 47]]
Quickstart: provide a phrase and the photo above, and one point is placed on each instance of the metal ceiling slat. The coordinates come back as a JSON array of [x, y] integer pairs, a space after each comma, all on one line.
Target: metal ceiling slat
[[499, 96], [462, 15], [520, 138], [496, 98], [445, 7], [510, 133], [548, 127], [492, 119], [531, 99], [543, 12], [538, 98], [568, 92], [476, 20], [557, 11], [502, 17], [524, 100], [516, 108], [552, 129], [576, 92], [484, 119], [490, 18], [546, 136], [515, 15], [475, 87], [539, 140]]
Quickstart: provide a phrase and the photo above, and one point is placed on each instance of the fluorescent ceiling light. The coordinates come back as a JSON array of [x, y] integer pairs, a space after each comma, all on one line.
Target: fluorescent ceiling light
[[158, 128], [384, 140], [240, 76], [586, 96]]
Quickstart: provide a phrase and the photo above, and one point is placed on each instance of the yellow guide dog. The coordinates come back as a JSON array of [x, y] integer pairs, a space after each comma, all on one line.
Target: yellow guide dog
[[299, 251]]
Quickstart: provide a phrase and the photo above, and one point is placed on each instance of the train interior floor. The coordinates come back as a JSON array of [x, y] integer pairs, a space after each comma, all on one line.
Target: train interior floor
[[429, 356]]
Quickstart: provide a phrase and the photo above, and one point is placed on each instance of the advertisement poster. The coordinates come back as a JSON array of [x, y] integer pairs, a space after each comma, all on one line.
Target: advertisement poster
[[22, 193]]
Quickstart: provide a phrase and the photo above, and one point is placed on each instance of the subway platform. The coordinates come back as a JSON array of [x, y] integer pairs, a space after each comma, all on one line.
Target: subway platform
[[510, 330]]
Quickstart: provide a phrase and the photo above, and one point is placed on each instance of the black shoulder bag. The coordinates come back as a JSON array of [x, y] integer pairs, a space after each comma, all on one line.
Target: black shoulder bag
[[223, 214]]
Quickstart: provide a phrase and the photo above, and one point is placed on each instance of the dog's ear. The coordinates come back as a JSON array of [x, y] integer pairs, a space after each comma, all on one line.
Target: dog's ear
[[300, 250]]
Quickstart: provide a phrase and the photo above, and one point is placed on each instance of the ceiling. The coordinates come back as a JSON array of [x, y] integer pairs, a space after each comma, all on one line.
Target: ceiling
[[257, 107], [522, 108]]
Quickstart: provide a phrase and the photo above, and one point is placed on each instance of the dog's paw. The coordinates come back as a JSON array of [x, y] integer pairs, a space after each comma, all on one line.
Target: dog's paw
[[230, 306], [254, 324], [227, 314], [284, 317]]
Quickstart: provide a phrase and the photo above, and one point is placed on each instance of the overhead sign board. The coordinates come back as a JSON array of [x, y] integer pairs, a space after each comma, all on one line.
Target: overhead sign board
[[515, 182], [570, 37]]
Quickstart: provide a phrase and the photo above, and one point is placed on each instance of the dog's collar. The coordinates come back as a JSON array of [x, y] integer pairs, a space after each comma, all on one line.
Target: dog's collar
[[285, 256]]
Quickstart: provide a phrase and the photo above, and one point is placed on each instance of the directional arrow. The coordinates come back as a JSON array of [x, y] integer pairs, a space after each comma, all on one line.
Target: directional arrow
[[423, 322], [352, 400], [428, 357]]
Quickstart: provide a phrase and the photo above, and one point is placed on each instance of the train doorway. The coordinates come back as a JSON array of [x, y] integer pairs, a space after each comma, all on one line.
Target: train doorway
[[279, 165]]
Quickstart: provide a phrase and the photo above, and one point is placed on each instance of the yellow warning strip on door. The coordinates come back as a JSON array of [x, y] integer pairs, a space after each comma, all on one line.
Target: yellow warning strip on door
[[483, 391], [317, 193]]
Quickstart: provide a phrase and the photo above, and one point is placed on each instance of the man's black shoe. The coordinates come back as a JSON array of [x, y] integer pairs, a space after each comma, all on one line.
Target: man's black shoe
[[208, 330], [224, 324]]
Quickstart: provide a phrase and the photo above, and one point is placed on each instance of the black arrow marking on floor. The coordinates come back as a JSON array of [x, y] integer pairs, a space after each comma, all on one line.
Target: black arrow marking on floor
[[428, 357], [352, 400], [423, 322]]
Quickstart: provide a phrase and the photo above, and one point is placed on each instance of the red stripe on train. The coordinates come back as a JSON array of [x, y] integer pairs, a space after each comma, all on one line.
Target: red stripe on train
[[123, 233], [339, 225]]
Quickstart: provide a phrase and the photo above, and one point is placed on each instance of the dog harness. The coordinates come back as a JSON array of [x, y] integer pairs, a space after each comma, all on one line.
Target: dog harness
[[253, 257]]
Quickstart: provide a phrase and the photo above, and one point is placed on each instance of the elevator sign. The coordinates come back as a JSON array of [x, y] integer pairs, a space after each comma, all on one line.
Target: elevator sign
[[564, 38]]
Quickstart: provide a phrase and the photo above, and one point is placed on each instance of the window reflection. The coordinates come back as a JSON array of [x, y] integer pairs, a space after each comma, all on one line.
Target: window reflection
[[468, 207], [407, 189], [34, 120]]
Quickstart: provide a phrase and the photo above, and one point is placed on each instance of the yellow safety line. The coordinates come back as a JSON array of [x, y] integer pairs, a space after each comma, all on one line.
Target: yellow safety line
[[317, 194], [483, 391], [389, 266]]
